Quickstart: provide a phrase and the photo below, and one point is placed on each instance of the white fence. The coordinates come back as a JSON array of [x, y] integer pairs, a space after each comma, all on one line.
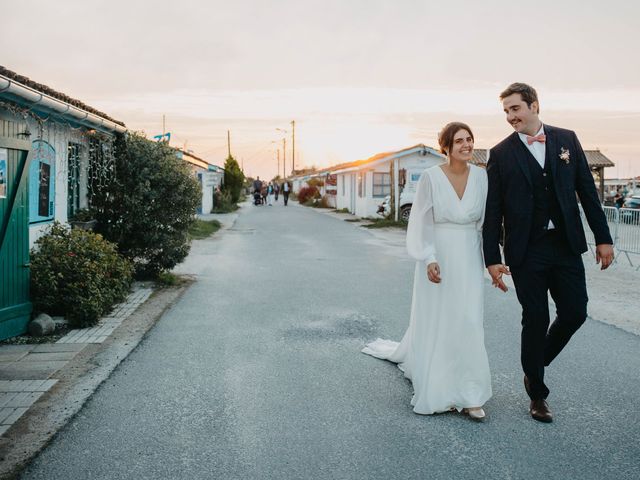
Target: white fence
[[624, 225]]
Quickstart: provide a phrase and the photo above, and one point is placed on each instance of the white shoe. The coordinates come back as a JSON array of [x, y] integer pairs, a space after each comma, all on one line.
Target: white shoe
[[476, 413]]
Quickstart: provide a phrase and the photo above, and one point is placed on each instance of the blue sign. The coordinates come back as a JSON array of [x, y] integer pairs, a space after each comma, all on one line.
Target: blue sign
[[161, 138], [3, 172]]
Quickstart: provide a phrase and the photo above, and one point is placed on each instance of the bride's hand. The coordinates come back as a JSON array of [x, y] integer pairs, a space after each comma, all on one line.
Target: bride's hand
[[433, 272]]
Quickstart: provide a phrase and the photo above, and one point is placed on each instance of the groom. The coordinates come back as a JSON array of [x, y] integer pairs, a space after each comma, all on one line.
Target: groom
[[534, 176]]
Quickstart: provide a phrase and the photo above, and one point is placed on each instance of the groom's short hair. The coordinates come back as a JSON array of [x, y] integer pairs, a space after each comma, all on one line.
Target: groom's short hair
[[527, 93]]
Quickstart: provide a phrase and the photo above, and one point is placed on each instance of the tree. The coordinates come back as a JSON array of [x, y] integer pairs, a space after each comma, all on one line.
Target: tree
[[233, 178], [149, 206]]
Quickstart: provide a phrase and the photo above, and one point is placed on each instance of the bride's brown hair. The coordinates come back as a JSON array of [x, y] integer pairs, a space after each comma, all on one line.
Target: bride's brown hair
[[445, 137]]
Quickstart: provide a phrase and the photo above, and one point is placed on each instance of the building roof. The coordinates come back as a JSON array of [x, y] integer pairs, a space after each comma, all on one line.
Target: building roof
[[53, 93], [195, 160], [595, 158], [380, 157]]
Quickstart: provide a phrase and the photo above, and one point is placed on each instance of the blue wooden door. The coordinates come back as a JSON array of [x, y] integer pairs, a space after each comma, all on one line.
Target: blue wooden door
[[15, 307]]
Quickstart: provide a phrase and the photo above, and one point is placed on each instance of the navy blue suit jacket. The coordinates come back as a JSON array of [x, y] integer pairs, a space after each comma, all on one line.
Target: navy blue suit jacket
[[510, 196]]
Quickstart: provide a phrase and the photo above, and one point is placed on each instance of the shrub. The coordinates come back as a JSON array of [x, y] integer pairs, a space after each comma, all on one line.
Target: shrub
[[77, 274], [308, 193], [83, 215], [222, 202], [233, 178], [149, 206], [315, 182], [324, 202]]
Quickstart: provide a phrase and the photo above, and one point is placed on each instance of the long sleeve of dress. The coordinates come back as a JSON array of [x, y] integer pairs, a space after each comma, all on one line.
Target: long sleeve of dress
[[420, 231], [484, 187]]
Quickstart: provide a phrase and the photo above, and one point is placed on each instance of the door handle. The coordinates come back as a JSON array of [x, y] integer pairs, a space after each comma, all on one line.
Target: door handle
[[26, 265]]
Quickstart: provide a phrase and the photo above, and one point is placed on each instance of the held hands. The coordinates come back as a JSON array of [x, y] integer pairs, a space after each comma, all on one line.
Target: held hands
[[496, 271], [604, 255], [433, 272]]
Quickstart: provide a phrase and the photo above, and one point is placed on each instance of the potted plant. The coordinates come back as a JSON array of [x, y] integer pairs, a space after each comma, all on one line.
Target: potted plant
[[84, 219]]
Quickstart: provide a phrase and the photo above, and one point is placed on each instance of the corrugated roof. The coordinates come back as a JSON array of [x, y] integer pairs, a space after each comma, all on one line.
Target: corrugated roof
[[595, 158], [55, 94]]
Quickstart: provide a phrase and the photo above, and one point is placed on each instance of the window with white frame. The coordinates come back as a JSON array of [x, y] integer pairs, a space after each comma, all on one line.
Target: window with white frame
[[381, 184], [362, 184], [42, 182]]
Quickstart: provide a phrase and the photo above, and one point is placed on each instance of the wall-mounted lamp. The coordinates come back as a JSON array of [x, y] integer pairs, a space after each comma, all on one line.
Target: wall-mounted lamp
[[26, 132]]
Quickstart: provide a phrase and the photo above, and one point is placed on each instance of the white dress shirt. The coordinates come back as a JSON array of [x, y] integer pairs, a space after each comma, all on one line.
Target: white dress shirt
[[537, 149]]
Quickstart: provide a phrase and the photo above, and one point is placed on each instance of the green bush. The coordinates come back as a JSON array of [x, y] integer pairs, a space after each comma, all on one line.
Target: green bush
[[149, 206], [223, 203], [77, 274], [233, 179]]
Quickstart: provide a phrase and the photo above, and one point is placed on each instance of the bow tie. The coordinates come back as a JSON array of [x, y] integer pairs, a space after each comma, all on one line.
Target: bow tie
[[538, 138]]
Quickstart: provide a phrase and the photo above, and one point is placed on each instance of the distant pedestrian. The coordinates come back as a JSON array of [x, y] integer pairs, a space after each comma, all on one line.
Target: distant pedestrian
[[276, 189], [270, 194], [286, 189], [257, 191], [263, 193]]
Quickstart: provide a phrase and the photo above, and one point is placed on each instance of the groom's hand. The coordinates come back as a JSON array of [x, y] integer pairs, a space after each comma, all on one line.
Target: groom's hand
[[604, 255], [496, 271]]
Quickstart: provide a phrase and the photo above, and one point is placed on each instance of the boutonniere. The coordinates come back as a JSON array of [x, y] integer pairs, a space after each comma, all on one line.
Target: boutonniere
[[564, 155]]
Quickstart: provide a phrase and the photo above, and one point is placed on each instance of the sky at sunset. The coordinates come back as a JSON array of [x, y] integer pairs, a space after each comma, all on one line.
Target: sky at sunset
[[358, 77]]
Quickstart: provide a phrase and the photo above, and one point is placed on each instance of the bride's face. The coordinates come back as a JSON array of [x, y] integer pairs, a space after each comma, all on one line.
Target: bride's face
[[462, 148]]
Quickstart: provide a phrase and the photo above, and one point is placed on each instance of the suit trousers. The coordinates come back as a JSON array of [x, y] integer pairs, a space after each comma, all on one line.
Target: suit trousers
[[551, 267]]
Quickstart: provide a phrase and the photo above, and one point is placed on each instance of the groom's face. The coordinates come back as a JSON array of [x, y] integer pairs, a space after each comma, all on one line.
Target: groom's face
[[522, 117]]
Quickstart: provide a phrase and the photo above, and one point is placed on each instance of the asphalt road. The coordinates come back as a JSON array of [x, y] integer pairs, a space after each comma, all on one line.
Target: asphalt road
[[256, 373]]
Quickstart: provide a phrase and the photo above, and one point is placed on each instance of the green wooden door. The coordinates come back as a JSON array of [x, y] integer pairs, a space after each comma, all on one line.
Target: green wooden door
[[15, 307]]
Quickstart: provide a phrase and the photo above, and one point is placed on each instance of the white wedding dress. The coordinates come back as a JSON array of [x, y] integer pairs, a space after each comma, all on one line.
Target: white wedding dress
[[442, 351]]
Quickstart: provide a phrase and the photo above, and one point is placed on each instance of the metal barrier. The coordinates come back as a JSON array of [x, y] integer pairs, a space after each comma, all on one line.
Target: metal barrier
[[624, 225]]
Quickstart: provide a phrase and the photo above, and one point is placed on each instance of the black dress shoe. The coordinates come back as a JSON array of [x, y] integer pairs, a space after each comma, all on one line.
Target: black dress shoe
[[539, 410]]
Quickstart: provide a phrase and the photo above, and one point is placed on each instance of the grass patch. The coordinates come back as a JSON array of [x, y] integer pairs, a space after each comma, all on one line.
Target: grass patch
[[203, 229], [352, 220], [168, 279], [342, 210], [225, 208], [385, 223]]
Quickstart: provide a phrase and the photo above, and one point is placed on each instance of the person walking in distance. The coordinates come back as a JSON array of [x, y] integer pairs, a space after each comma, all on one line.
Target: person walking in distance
[[270, 194], [286, 189]]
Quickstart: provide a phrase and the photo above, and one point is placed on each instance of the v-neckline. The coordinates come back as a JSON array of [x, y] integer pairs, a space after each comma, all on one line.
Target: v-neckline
[[453, 189]]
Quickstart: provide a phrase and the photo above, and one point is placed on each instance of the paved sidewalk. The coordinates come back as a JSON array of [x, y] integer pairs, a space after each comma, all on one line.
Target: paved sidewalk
[[28, 371]]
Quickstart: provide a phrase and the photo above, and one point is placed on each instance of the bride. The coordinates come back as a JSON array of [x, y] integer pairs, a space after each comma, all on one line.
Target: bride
[[442, 351]]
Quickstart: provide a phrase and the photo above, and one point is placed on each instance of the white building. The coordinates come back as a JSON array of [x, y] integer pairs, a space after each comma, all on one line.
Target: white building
[[55, 154], [210, 177], [70, 149], [363, 185]]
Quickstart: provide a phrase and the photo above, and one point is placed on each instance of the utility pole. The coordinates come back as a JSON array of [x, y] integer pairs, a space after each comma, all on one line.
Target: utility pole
[[278, 151], [293, 145], [284, 152], [229, 142]]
